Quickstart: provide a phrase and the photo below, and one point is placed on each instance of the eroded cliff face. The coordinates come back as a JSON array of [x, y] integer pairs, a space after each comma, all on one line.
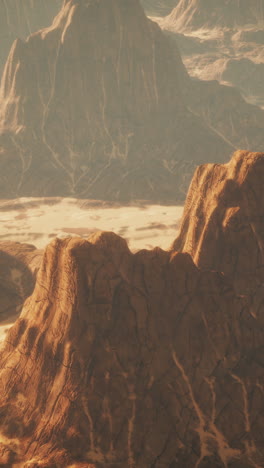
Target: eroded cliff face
[[18, 267], [20, 19], [223, 221], [134, 360], [94, 104]]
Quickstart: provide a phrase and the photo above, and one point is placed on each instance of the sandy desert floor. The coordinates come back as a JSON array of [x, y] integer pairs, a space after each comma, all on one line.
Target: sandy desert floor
[[37, 221]]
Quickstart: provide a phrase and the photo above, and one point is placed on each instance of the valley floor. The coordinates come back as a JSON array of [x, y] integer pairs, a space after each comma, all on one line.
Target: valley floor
[[38, 220]]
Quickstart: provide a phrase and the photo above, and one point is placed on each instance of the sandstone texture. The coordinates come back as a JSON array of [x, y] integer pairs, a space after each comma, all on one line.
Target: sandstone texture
[[131, 360], [223, 221]]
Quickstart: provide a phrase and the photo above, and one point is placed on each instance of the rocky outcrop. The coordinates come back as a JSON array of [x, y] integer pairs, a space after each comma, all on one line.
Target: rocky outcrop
[[189, 15], [20, 19], [19, 264], [223, 221], [142, 361], [99, 111]]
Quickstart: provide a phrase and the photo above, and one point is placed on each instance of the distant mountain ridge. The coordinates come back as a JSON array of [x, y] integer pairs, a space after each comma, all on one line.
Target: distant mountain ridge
[[198, 14], [224, 41]]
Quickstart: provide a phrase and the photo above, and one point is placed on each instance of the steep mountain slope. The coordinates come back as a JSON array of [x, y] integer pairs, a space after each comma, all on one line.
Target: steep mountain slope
[[244, 73], [22, 18], [143, 360], [95, 105], [223, 221], [239, 69], [224, 109]]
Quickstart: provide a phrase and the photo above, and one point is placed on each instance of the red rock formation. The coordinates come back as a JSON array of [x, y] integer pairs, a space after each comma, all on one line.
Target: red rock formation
[[223, 221], [94, 104], [18, 266], [131, 360]]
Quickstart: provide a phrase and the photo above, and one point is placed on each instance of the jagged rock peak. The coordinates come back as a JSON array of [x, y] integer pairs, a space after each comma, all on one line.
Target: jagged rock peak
[[199, 14], [131, 351], [223, 221], [94, 36]]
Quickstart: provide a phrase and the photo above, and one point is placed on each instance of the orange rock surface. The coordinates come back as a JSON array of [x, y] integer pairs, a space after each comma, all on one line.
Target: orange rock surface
[[131, 360], [223, 221]]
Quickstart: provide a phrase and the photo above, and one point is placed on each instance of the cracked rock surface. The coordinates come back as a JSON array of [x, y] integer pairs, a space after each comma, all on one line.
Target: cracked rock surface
[[131, 360], [223, 221]]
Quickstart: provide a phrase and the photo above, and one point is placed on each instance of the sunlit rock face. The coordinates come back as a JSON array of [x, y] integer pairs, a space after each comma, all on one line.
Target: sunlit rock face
[[19, 264], [223, 222], [197, 14], [22, 18], [93, 107], [132, 351]]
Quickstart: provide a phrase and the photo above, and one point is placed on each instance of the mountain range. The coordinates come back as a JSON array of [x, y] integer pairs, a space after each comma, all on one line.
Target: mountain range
[[221, 40], [145, 359], [101, 116]]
